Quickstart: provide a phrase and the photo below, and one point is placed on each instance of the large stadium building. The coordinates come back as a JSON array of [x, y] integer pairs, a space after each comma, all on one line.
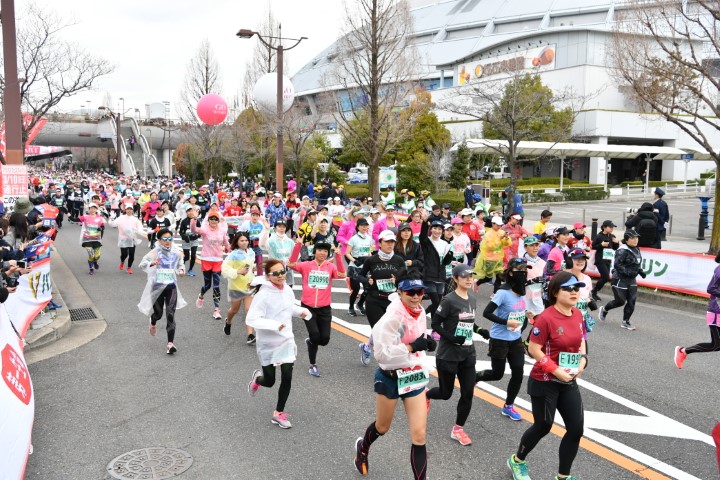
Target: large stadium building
[[566, 42]]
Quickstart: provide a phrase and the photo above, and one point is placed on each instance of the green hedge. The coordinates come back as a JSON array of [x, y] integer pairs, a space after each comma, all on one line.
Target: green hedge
[[504, 182], [584, 194], [357, 190]]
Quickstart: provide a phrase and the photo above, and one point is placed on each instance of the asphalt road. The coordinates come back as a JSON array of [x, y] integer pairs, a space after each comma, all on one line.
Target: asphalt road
[[121, 392]]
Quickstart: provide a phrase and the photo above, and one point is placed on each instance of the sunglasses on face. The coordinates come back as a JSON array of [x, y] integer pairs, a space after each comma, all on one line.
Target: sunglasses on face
[[166, 239], [570, 289], [278, 273], [418, 292]]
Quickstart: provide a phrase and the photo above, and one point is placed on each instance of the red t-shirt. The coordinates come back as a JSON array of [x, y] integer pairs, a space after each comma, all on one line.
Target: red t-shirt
[[583, 243], [556, 333]]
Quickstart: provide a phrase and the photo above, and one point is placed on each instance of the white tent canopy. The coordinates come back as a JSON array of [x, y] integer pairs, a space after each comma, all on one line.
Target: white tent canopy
[[564, 150]]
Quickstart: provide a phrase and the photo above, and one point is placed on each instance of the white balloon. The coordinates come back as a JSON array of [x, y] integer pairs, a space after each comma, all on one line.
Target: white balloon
[[265, 93]]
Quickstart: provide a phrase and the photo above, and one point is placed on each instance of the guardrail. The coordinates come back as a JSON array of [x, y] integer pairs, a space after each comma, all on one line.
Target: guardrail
[[630, 191]]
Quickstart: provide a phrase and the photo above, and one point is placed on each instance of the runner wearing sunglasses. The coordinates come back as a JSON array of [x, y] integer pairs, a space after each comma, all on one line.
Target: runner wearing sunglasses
[[271, 315], [557, 344], [400, 343], [163, 265], [454, 321]]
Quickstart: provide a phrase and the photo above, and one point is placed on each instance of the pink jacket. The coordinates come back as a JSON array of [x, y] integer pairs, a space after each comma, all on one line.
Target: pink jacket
[[316, 297], [214, 242], [345, 233], [379, 226]]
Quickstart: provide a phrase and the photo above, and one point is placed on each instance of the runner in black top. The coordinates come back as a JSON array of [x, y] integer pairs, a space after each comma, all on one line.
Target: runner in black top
[[454, 320]]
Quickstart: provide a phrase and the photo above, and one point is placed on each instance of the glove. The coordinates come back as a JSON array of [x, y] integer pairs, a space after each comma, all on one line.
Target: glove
[[419, 344], [432, 344], [593, 305], [642, 274], [482, 332], [459, 339]]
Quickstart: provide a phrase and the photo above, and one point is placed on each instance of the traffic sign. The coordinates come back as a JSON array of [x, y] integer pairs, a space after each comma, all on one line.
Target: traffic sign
[[687, 156]]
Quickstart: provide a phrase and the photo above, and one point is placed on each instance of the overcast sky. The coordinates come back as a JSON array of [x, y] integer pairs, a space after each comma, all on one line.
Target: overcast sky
[[150, 42]]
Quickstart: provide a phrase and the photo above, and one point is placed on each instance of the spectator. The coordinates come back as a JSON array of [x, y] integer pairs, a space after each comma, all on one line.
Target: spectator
[[645, 224], [468, 194], [541, 225], [663, 215]]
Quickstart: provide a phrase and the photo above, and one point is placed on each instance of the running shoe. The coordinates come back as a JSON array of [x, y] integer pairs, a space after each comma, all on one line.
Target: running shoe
[[518, 468], [122, 266], [171, 348], [564, 478], [190, 273], [509, 411], [627, 325], [459, 434], [92, 272], [251, 339], [199, 301], [361, 309], [680, 356], [227, 327], [97, 266], [365, 354], [280, 419], [153, 329], [253, 386], [314, 370], [53, 306], [129, 270], [351, 312], [216, 314], [602, 314], [361, 460]]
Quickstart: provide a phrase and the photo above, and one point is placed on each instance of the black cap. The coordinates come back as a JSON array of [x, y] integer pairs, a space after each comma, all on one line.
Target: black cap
[[561, 230], [630, 234], [446, 205], [608, 223], [311, 212], [405, 226], [280, 222], [518, 263], [437, 223], [362, 221]]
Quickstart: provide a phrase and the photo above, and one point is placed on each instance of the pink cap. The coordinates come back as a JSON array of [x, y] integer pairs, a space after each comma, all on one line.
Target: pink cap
[[579, 225], [456, 220]]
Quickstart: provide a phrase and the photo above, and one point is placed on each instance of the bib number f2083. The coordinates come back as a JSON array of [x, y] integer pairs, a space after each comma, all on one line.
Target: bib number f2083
[[411, 379]]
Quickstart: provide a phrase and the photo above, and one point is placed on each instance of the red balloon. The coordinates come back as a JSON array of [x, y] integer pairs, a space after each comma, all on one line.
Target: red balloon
[[212, 109]]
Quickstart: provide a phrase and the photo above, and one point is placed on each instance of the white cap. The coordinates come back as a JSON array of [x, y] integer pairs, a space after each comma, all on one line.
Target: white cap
[[386, 235], [465, 211], [277, 194], [374, 210], [336, 198], [497, 220]]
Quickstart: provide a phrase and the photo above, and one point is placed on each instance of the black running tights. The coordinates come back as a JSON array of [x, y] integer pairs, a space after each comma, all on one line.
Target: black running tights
[[623, 296], [713, 346], [547, 397], [190, 254], [465, 372], [516, 359], [168, 299], [129, 253], [268, 380]]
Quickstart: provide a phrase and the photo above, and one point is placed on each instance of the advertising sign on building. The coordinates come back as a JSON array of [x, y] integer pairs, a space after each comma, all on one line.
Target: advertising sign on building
[[538, 59], [14, 183]]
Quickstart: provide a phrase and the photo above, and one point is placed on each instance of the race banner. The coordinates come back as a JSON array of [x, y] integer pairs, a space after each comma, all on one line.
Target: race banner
[[14, 184], [27, 120], [681, 272]]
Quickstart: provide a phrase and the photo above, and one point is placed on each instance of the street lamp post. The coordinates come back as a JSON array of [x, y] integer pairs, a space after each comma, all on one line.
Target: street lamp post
[[167, 121], [245, 33]]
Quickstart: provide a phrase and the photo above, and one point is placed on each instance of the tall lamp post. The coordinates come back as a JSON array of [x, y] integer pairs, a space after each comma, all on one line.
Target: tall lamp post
[[167, 121], [246, 33]]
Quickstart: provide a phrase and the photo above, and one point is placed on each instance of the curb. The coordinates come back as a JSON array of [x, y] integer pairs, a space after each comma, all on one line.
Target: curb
[[675, 302], [60, 325]]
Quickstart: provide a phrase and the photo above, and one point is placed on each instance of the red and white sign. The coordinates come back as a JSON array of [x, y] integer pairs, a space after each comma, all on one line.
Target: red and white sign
[[34, 131], [14, 183]]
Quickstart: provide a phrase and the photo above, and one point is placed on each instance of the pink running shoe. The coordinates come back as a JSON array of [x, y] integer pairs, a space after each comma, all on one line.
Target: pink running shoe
[[459, 434], [680, 356], [253, 386], [199, 302]]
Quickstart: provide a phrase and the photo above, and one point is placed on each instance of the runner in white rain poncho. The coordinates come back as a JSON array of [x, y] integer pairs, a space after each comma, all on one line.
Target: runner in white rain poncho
[[163, 265]]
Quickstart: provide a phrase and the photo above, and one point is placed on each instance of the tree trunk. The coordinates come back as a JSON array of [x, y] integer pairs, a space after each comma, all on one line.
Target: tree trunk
[[512, 162], [374, 181]]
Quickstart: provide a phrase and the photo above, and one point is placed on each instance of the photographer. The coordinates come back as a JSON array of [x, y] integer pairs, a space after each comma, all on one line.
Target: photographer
[[644, 222]]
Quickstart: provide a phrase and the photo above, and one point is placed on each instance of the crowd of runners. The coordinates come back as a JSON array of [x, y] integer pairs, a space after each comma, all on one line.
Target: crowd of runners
[[393, 254]]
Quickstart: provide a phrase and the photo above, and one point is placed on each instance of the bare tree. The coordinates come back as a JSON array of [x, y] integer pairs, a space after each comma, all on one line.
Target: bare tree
[[264, 59], [50, 68], [202, 77], [515, 107], [439, 165], [666, 56], [299, 125], [374, 70]]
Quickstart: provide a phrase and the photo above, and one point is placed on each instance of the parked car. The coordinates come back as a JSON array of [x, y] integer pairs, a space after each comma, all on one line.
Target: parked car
[[358, 175]]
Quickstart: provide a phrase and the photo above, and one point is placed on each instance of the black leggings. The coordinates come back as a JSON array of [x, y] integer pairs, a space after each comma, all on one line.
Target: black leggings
[[190, 254], [318, 328], [212, 280], [623, 296], [465, 372], [354, 290], [268, 380], [129, 253], [713, 346], [603, 268], [514, 353], [168, 298], [375, 307], [547, 397]]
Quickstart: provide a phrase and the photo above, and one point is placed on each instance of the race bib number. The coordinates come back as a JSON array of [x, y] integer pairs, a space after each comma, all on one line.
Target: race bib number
[[520, 317], [59, 202], [318, 279], [416, 238], [363, 251], [608, 254], [311, 249], [459, 257], [465, 329], [386, 285], [582, 305], [448, 270], [93, 231], [570, 362], [410, 380], [165, 276]]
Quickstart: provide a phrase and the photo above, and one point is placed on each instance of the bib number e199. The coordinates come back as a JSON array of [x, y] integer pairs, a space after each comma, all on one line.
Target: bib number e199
[[411, 379], [318, 279], [570, 362], [465, 329]]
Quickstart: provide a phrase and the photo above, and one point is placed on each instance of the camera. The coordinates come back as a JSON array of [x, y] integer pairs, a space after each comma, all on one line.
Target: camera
[[22, 264], [631, 210], [12, 282]]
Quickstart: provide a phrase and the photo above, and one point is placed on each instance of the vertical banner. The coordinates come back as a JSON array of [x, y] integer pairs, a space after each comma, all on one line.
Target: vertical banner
[[14, 184]]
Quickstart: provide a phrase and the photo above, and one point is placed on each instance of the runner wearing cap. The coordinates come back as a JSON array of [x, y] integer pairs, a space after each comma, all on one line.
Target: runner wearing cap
[[400, 344], [578, 239], [713, 322], [585, 304], [387, 223], [322, 233], [279, 245], [470, 229], [490, 262], [604, 245], [517, 234], [407, 248], [359, 248], [557, 344], [509, 313], [347, 229], [557, 258], [461, 244], [437, 253], [547, 241], [536, 279], [130, 230], [254, 229], [380, 272], [238, 267], [626, 267], [306, 227], [190, 240], [91, 233], [214, 245], [317, 276], [454, 321]]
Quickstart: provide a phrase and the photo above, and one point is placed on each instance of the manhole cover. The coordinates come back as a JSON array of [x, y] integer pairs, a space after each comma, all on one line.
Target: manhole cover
[[154, 463], [82, 314]]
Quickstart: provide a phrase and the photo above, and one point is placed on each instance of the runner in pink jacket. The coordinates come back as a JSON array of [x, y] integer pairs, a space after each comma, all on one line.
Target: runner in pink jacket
[[214, 246]]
